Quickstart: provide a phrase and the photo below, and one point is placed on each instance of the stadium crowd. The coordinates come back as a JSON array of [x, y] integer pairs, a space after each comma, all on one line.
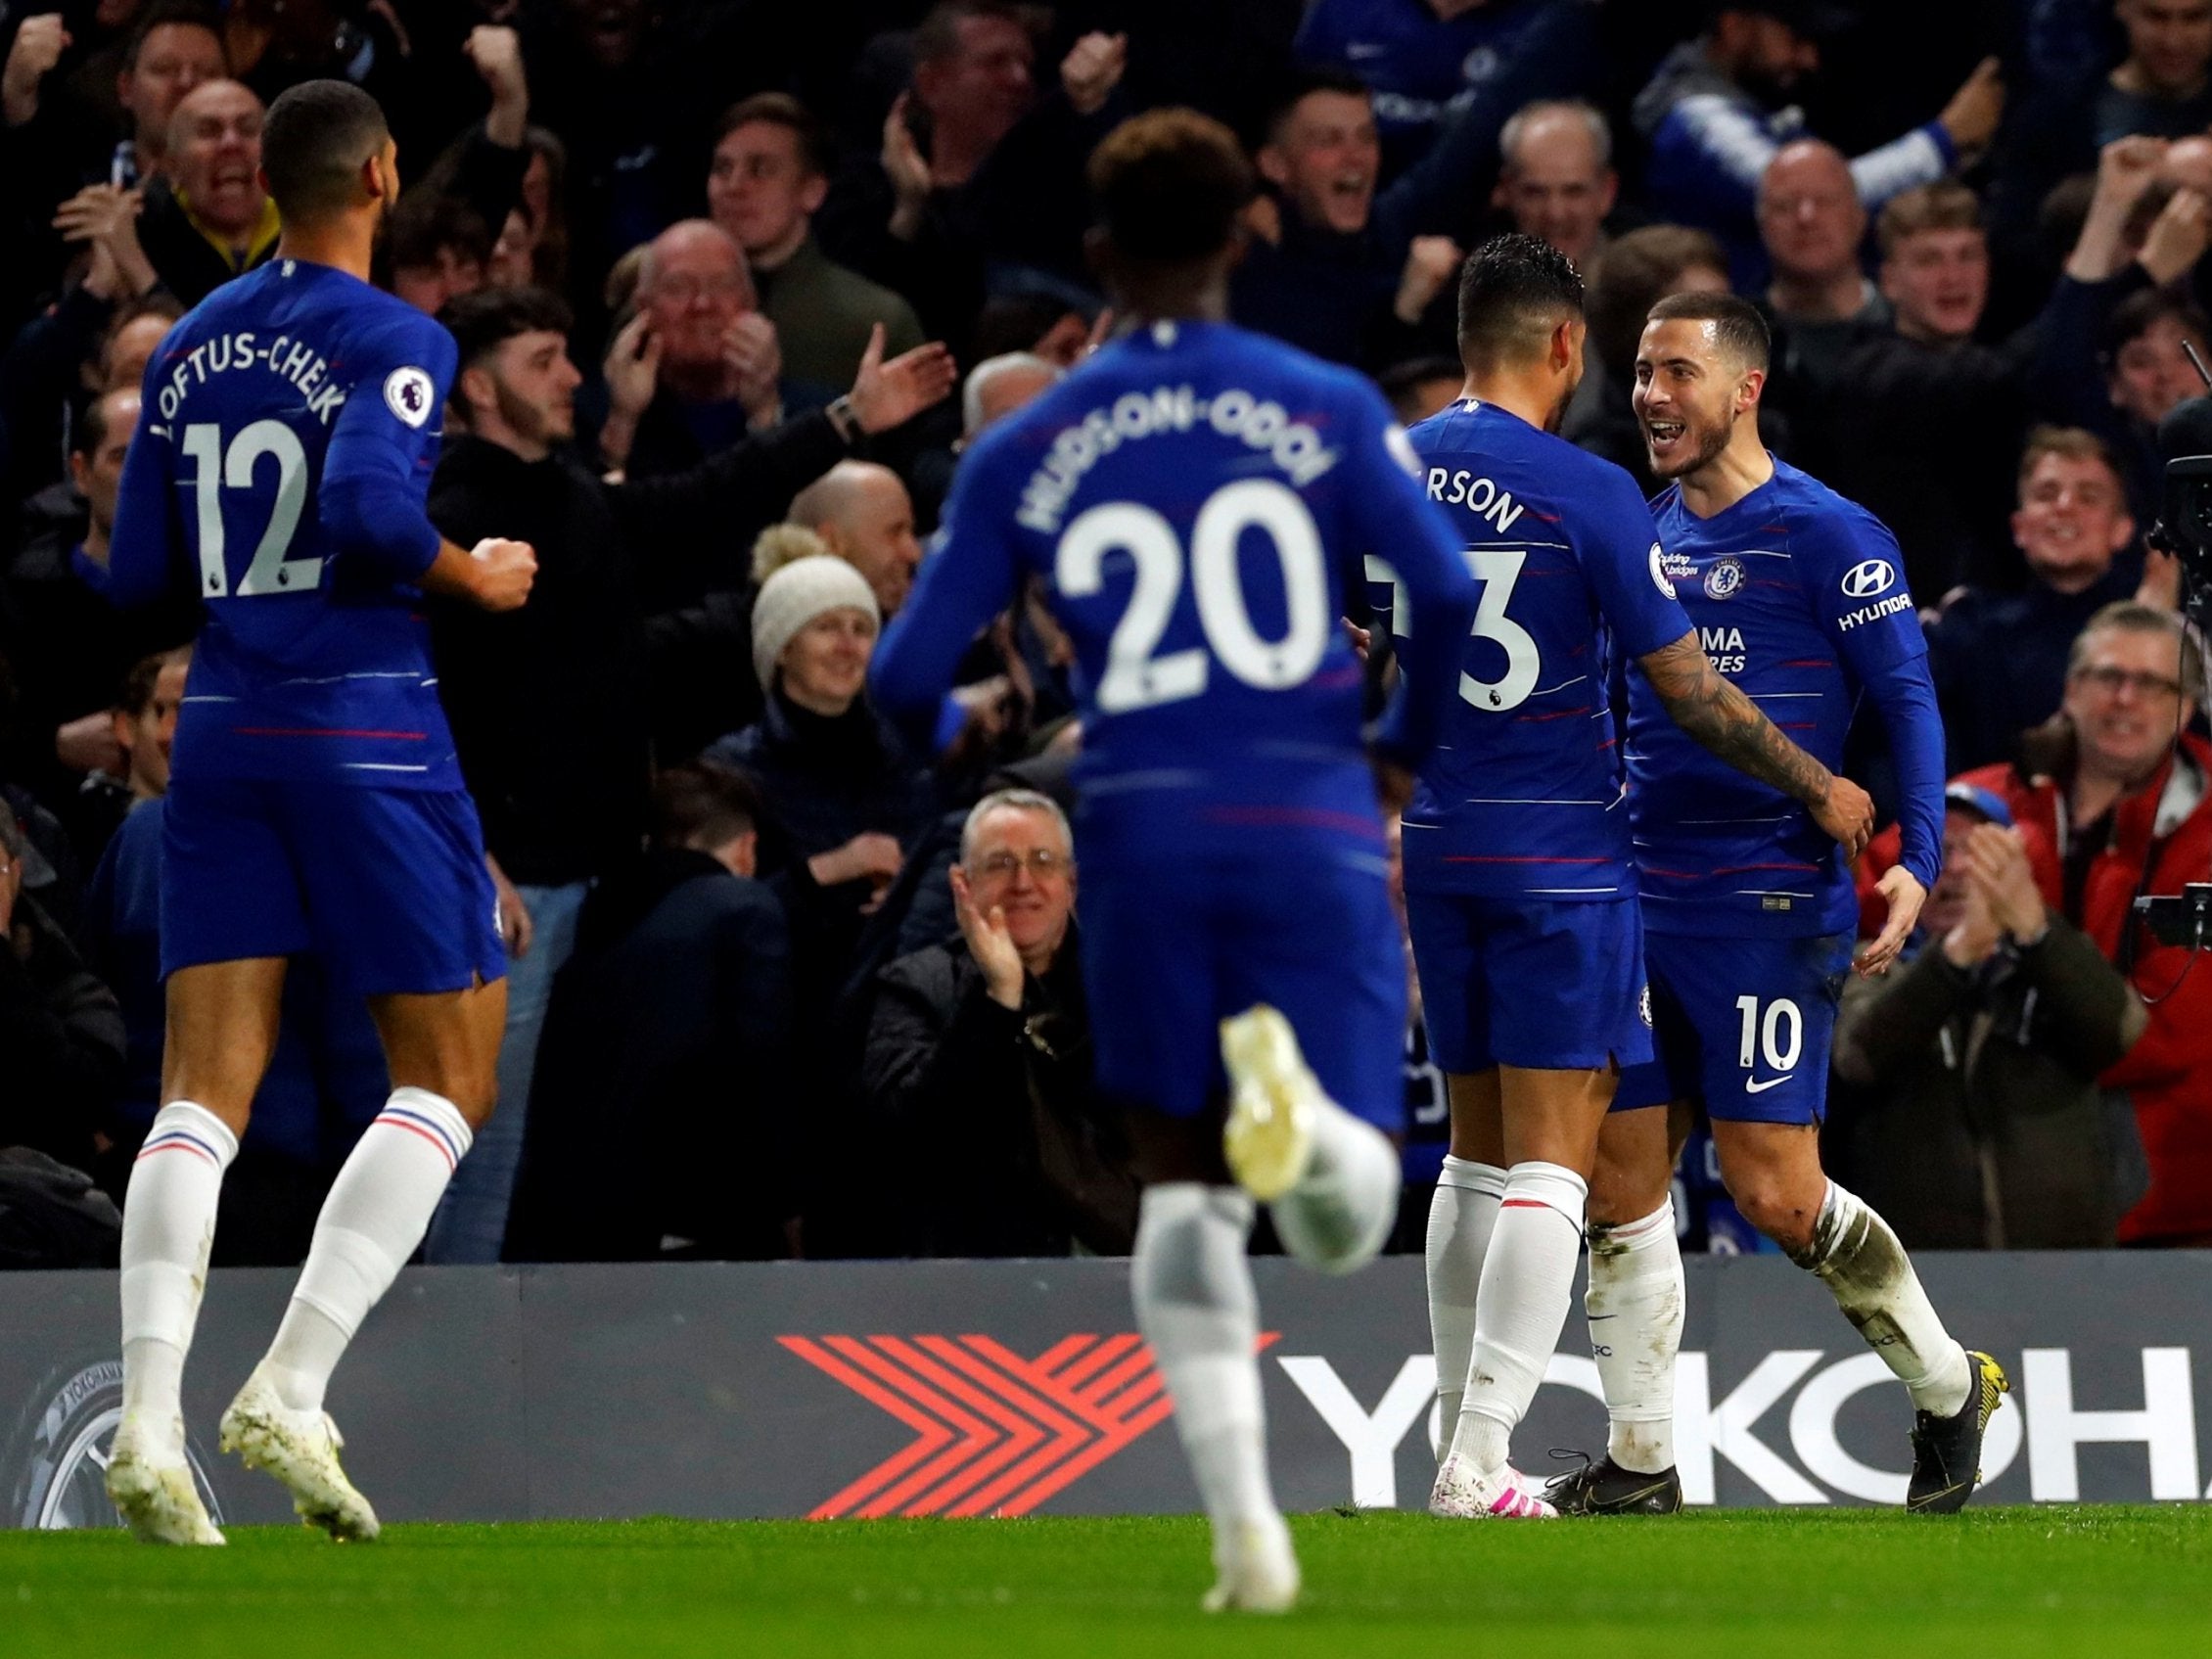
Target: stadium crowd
[[733, 285]]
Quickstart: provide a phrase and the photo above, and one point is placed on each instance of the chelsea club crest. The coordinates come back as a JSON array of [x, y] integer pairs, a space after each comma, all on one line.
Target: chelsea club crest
[[1724, 577]]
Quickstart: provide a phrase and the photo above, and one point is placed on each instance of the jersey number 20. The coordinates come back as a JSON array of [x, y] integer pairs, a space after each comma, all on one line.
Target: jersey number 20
[[1136, 678], [216, 469]]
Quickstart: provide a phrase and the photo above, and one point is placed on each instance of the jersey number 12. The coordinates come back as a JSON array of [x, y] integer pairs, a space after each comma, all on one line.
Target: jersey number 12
[[216, 469], [1138, 678]]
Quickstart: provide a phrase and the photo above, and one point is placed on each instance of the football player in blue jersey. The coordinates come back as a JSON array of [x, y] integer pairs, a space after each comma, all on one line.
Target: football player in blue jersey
[[292, 420], [1520, 890], [1749, 917], [1199, 501]]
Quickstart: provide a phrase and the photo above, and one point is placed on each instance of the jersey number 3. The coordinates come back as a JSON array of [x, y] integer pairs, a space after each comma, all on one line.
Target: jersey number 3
[[1138, 678], [216, 469]]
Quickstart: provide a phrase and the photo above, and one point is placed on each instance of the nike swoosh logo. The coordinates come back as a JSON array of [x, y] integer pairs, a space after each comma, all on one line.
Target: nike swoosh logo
[[1752, 1085]]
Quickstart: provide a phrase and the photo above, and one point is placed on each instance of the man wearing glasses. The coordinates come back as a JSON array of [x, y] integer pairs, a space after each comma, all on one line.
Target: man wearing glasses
[[2114, 797], [979, 1057]]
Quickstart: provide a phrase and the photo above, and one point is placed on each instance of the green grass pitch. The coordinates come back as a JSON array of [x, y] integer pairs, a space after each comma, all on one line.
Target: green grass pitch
[[2001, 1583]]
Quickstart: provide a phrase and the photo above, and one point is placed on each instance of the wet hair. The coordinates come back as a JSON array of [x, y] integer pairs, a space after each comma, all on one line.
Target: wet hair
[[486, 320], [1737, 327], [1170, 186], [313, 144], [1513, 292]]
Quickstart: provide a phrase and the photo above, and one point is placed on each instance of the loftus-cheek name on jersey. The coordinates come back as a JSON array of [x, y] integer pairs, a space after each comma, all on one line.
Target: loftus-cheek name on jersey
[[1478, 495], [1723, 649], [282, 356], [1889, 607], [1166, 410]]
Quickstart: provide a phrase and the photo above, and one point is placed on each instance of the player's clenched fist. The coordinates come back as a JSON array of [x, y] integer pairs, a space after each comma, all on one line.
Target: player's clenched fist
[[505, 571], [1848, 814]]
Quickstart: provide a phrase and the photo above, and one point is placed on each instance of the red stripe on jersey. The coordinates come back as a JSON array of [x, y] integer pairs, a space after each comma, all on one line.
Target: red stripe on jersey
[[1511, 858]]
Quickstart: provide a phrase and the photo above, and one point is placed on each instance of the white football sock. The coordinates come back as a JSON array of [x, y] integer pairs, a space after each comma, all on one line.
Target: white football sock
[[1197, 1310], [1528, 1280], [1462, 1215], [1865, 1269], [376, 1214], [1635, 1304], [1339, 1215], [168, 1229]]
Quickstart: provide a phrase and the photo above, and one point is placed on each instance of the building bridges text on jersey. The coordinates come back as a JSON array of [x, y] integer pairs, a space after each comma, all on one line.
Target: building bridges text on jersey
[[284, 357], [1295, 448]]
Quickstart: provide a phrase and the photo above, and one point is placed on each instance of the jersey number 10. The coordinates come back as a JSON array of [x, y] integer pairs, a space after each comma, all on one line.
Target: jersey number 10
[[216, 469], [1138, 678]]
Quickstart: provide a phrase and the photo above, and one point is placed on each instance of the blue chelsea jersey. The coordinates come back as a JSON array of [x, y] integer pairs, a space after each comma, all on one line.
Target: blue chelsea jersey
[[1523, 795], [1198, 503], [289, 426], [1799, 597]]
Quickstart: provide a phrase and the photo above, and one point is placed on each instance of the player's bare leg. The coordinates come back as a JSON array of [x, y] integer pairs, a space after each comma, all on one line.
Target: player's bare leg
[[222, 1028], [1195, 1303], [441, 1051], [1462, 1217], [1773, 1171], [1635, 1304], [1549, 1121]]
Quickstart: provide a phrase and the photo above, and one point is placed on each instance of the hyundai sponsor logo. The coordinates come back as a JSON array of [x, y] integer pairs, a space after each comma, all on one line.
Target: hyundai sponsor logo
[[1868, 577]]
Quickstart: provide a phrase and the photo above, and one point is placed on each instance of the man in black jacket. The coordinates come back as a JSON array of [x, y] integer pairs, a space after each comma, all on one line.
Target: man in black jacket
[[549, 703], [978, 1057], [666, 1121]]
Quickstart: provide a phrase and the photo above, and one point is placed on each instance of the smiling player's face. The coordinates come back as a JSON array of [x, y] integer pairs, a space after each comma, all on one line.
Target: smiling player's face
[[1686, 396]]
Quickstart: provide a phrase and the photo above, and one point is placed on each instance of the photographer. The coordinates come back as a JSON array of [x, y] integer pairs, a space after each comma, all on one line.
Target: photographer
[[1977, 1123], [2114, 797]]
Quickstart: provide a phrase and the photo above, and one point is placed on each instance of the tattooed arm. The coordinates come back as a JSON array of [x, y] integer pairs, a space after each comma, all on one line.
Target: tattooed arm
[[1731, 726]]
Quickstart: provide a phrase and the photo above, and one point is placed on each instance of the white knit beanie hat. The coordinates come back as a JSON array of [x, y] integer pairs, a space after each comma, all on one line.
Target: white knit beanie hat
[[795, 596]]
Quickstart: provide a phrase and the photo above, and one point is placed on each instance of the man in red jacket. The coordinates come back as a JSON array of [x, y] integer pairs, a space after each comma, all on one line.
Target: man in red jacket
[[2112, 805]]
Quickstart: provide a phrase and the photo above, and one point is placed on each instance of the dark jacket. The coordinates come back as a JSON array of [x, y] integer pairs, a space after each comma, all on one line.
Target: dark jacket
[[993, 1109], [1999, 660], [70, 649], [1977, 1123], [828, 780], [190, 266], [548, 703], [60, 1042], [664, 1105]]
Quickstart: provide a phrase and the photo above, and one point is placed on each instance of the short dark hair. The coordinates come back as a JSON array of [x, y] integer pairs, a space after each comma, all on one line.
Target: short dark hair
[[1301, 82], [938, 34], [171, 14], [2140, 312], [313, 143], [1170, 186], [137, 689], [1513, 292], [704, 803], [780, 108], [428, 222], [486, 320], [1401, 380], [1738, 326]]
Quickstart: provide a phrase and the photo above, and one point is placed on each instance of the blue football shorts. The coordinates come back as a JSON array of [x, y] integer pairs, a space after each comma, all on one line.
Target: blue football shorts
[[1518, 981], [1744, 1025], [1171, 948], [388, 886]]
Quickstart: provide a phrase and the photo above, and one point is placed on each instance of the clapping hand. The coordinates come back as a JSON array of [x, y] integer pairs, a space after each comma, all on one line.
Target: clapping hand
[[889, 394], [989, 942]]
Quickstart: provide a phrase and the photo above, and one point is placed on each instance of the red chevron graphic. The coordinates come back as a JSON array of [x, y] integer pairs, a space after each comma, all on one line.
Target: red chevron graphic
[[995, 1433]]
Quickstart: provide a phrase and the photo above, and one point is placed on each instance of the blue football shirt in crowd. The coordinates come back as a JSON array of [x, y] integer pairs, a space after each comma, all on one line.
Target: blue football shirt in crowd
[[1799, 597], [1199, 502], [1523, 794], [290, 425]]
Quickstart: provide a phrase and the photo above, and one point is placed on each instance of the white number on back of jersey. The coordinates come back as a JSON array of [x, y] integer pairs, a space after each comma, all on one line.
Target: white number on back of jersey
[[1497, 568], [1136, 678], [216, 469]]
